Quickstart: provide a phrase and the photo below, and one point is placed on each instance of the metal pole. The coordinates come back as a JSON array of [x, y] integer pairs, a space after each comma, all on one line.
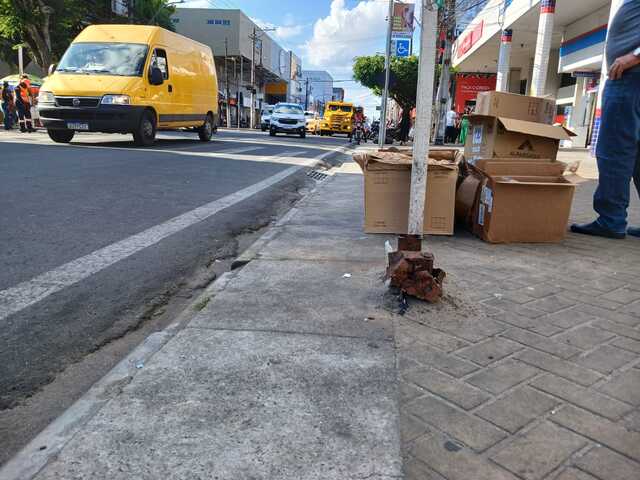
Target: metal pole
[[306, 94], [382, 131], [240, 107], [253, 78], [442, 95], [20, 61], [130, 10], [423, 116], [226, 74]]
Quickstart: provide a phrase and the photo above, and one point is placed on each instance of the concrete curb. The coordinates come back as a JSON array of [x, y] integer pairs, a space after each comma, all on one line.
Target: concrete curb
[[29, 461]]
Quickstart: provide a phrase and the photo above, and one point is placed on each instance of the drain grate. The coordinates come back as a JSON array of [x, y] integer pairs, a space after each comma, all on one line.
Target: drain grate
[[317, 175]]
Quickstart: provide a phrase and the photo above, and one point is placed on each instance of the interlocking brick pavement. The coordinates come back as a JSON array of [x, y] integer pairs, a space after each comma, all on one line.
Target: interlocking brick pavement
[[530, 366]]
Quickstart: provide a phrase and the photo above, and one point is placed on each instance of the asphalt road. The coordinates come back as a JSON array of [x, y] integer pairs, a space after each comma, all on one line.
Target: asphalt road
[[102, 243]]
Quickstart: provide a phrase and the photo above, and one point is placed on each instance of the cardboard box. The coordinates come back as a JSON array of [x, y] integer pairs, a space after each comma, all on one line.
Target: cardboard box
[[518, 107], [531, 208], [387, 185], [508, 138]]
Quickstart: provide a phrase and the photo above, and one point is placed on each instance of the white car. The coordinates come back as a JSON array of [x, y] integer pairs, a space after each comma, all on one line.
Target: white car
[[265, 117], [288, 118]]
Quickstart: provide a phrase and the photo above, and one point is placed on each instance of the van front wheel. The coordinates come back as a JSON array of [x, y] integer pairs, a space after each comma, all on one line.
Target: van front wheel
[[205, 132], [61, 136], [145, 135]]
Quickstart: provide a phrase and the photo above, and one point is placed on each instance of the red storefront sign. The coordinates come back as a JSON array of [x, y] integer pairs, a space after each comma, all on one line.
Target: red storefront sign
[[467, 87], [470, 39]]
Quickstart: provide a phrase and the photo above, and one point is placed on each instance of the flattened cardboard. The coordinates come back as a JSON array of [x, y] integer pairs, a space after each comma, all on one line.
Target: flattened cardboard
[[508, 138], [523, 208], [519, 107], [387, 185]]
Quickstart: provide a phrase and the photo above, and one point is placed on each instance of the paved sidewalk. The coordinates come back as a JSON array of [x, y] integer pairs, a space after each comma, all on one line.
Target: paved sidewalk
[[300, 366], [288, 372]]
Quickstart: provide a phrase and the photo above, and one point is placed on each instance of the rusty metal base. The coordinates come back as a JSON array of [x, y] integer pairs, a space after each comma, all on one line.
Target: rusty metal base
[[412, 271]]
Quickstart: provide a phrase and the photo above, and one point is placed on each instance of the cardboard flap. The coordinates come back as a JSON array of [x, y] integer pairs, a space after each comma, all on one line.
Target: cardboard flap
[[536, 129], [542, 180], [394, 158], [531, 168]]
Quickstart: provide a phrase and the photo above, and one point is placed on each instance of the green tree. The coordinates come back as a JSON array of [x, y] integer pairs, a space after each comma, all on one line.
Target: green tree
[[47, 27], [369, 71]]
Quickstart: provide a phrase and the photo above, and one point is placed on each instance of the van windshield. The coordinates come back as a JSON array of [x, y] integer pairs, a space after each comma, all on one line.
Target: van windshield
[[123, 59]]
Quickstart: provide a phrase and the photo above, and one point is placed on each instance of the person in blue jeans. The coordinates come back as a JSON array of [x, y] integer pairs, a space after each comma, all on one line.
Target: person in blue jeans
[[618, 147], [7, 106]]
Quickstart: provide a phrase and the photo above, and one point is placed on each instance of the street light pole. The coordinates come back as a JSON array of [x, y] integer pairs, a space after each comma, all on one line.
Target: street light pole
[[385, 94], [226, 74]]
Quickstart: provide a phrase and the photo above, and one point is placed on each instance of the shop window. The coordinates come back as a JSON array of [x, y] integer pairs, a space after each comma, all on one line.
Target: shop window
[[566, 80]]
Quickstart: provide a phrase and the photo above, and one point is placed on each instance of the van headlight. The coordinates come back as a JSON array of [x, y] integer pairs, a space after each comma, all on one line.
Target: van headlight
[[116, 100], [46, 97]]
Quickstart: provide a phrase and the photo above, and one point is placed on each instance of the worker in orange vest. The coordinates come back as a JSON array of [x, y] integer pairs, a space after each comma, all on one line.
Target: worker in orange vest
[[23, 105]]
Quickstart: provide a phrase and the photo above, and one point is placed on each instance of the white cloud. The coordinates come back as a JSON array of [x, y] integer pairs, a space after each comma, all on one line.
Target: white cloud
[[281, 32], [344, 34]]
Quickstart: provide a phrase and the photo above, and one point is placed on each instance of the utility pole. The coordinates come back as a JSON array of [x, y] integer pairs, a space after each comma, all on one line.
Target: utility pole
[[382, 132], [130, 10], [442, 96], [253, 78], [226, 74], [306, 93], [241, 80], [423, 116]]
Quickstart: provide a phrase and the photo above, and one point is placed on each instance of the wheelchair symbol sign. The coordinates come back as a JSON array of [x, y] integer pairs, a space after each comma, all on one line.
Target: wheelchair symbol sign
[[403, 47]]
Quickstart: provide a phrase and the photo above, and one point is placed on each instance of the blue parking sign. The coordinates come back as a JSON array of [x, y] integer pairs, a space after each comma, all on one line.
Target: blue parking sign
[[403, 47]]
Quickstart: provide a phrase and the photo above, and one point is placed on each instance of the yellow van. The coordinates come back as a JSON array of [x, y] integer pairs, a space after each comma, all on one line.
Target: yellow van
[[130, 79]]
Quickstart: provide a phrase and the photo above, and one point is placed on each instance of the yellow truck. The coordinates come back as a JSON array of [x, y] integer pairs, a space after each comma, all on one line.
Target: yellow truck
[[130, 79], [337, 118]]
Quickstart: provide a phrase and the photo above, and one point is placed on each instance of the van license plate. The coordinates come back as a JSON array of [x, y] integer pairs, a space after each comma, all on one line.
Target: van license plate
[[77, 126]]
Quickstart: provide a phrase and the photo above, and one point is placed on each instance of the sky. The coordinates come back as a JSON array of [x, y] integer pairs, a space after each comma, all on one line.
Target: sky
[[325, 34]]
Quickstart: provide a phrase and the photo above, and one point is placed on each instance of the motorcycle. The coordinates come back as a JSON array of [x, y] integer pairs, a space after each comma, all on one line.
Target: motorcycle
[[358, 133]]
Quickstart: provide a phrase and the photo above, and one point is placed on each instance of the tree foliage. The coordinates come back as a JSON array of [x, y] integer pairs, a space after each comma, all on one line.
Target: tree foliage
[[47, 27], [369, 71]]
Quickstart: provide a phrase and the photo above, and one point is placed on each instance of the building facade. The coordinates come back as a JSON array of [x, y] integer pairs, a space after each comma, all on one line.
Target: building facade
[[338, 94], [238, 43], [318, 89], [541, 47]]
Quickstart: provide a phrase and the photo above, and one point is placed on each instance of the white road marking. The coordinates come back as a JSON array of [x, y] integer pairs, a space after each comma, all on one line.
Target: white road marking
[[30, 292]]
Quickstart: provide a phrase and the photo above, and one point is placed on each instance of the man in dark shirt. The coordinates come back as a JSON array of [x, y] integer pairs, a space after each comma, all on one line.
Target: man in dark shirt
[[618, 148], [7, 105]]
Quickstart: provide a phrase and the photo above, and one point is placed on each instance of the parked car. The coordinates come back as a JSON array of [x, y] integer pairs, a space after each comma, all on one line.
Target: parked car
[[265, 117], [313, 122], [288, 118], [130, 79]]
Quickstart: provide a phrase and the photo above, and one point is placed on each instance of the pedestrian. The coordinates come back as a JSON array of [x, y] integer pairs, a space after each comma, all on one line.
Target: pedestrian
[[450, 130], [23, 105], [464, 128], [618, 147], [7, 105]]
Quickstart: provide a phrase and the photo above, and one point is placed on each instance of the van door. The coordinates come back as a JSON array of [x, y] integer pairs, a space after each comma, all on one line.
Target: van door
[[161, 96]]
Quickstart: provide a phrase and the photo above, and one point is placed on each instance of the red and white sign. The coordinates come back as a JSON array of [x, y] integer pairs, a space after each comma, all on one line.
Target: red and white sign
[[467, 87], [470, 39]]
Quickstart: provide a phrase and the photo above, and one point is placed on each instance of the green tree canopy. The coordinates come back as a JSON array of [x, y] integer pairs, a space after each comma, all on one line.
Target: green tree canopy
[[369, 71], [47, 27]]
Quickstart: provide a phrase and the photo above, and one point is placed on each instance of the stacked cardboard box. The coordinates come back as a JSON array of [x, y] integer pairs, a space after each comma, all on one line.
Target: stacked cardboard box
[[515, 190], [387, 185]]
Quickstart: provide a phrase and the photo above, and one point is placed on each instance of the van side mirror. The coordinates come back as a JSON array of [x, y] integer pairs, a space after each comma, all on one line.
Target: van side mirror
[[155, 76], [52, 68]]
